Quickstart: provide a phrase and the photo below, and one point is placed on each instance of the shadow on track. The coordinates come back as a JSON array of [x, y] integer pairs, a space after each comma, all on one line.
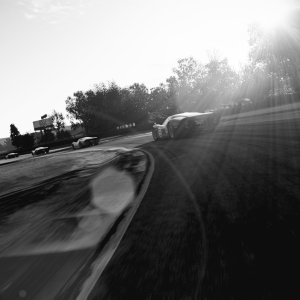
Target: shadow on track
[[245, 182]]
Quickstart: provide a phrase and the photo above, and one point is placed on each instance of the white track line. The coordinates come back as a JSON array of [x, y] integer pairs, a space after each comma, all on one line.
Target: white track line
[[101, 262]]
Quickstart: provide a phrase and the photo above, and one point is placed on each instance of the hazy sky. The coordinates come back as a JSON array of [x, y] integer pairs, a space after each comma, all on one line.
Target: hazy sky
[[51, 49]]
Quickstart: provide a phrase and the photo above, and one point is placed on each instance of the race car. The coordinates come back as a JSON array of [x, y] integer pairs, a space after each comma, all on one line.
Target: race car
[[40, 150], [185, 124], [85, 142], [11, 155]]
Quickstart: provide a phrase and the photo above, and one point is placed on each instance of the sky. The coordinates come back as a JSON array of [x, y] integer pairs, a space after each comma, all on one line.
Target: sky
[[51, 49]]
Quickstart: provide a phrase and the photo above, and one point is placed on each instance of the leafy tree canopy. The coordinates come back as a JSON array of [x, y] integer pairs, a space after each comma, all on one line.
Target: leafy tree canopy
[[15, 136], [58, 120]]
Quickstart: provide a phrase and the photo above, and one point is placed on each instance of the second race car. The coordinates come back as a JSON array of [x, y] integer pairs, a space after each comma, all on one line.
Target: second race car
[[85, 142], [185, 124], [11, 155], [40, 150]]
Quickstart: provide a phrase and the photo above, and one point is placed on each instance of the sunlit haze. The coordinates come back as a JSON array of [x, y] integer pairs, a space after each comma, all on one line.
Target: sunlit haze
[[51, 49], [272, 13]]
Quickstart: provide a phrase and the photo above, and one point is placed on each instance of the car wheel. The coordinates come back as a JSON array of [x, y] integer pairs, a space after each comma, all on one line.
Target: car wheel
[[172, 132], [80, 145], [155, 135], [73, 147]]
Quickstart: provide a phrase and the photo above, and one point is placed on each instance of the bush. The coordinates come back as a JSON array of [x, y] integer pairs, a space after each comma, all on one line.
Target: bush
[[63, 134]]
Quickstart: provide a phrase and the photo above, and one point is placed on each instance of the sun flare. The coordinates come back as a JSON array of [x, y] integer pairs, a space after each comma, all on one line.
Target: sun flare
[[272, 14]]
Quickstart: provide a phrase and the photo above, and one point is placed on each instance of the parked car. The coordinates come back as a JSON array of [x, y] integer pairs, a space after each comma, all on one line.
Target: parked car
[[85, 142], [11, 155], [185, 124], [40, 150]]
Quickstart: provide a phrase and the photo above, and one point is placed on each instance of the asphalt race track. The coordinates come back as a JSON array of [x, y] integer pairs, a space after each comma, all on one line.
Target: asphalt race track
[[131, 141], [220, 220]]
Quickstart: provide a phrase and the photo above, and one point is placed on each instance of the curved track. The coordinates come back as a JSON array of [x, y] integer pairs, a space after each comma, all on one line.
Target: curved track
[[220, 219]]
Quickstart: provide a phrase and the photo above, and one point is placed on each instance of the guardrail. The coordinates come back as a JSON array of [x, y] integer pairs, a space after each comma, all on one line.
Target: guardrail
[[283, 112], [268, 102]]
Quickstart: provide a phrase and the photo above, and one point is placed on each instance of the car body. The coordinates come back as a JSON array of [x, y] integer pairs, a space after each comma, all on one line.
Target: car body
[[40, 150], [85, 142], [11, 155], [185, 124]]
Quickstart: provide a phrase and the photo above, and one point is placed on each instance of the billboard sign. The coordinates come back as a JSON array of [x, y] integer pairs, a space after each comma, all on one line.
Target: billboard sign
[[42, 124]]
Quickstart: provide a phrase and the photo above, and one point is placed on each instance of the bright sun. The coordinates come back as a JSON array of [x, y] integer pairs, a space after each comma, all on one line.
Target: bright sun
[[271, 13]]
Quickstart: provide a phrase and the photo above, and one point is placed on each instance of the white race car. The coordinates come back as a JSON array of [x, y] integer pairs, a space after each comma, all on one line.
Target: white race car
[[85, 142], [40, 150], [185, 124], [11, 155]]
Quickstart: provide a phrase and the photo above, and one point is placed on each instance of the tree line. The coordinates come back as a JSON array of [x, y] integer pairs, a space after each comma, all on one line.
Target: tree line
[[28, 140], [192, 87], [273, 67]]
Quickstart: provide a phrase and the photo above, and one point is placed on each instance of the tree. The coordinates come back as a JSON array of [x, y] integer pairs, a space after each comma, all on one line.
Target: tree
[[63, 134], [15, 136], [186, 83], [219, 83], [256, 82], [161, 102], [136, 106], [47, 137], [107, 104], [79, 111], [58, 120], [278, 49], [198, 87], [27, 140]]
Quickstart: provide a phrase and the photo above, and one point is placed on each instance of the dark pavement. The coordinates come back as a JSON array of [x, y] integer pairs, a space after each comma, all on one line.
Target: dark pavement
[[220, 219]]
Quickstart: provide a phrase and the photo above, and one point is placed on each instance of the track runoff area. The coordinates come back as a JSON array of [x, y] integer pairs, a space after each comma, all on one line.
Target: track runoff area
[[219, 219]]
